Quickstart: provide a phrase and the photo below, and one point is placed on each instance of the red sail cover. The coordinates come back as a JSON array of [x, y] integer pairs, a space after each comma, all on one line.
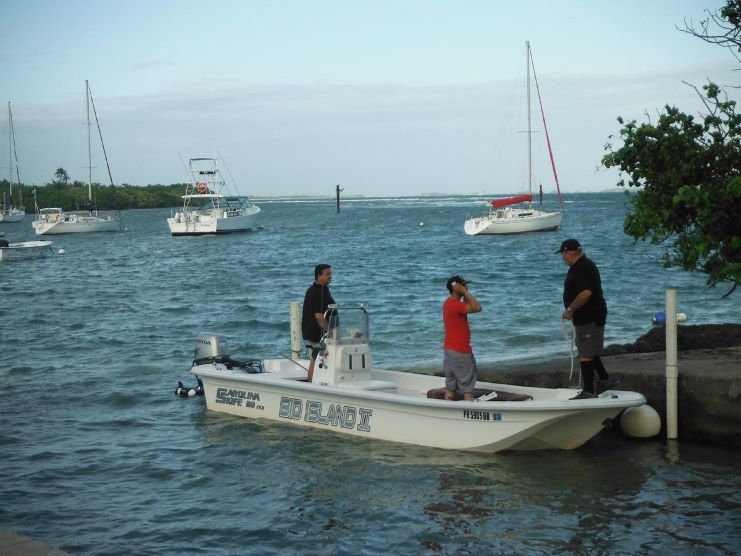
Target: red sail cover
[[498, 203]]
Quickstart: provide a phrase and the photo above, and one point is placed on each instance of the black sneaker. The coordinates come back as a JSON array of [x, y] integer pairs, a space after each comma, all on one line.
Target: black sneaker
[[606, 384], [583, 395]]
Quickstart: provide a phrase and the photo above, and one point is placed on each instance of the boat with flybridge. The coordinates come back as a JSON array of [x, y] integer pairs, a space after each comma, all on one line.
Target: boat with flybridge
[[209, 204]]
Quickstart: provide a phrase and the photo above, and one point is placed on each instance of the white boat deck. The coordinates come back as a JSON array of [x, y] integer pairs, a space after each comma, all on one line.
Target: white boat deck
[[349, 395]]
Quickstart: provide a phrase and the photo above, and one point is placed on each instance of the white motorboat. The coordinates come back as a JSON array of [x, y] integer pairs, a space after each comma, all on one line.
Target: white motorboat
[[24, 250], [503, 218], [55, 221], [209, 205], [9, 213], [349, 395]]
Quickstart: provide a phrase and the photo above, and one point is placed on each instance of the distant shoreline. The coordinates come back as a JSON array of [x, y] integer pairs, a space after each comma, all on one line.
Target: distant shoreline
[[157, 196]]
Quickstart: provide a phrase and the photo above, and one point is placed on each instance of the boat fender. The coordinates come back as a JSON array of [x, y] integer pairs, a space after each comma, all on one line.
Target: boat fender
[[187, 391], [660, 317], [640, 422], [184, 391]]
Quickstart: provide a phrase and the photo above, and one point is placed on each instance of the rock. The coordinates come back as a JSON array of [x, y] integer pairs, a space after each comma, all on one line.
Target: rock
[[696, 336]]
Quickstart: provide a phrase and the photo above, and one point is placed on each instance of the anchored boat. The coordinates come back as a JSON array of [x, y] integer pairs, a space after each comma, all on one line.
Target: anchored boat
[[9, 213], [54, 220], [209, 207], [503, 217], [24, 249], [349, 395]]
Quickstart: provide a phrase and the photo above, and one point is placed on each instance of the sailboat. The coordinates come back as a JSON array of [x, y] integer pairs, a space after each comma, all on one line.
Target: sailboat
[[503, 218], [9, 213], [54, 220]]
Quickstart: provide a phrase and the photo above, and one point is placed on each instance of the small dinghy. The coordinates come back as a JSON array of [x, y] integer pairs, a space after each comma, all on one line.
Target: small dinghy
[[349, 395], [24, 250]]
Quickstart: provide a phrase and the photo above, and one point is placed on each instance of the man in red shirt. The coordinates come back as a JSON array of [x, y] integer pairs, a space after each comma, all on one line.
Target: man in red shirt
[[458, 361]]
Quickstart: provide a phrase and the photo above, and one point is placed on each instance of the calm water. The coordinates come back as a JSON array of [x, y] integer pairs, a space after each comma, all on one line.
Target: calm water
[[99, 457]]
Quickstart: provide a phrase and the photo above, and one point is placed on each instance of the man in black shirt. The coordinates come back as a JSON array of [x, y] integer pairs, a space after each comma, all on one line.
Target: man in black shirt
[[585, 305], [316, 301]]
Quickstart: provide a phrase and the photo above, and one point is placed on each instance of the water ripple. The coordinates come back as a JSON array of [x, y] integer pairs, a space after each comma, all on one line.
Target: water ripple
[[100, 457]]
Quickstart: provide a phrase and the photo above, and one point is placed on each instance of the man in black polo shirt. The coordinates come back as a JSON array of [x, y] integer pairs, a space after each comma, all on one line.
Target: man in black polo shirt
[[316, 301], [585, 305]]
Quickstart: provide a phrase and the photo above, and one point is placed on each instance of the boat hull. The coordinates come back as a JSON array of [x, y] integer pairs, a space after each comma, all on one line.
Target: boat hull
[[77, 225], [195, 223], [12, 215], [513, 221], [394, 406], [25, 250]]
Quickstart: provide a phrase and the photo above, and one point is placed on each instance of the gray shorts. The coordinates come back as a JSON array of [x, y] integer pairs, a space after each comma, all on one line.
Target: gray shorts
[[460, 371], [589, 339]]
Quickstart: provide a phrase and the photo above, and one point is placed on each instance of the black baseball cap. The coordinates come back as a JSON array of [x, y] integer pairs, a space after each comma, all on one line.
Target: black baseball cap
[[569, 245], [457, 278]]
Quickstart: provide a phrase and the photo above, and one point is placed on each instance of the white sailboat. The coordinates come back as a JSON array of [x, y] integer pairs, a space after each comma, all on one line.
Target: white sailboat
[[503, 218], [9, 213], [54, 220], [209, 206]]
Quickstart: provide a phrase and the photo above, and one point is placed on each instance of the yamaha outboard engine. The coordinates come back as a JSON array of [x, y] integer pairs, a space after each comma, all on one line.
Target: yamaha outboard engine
[[210, 348]]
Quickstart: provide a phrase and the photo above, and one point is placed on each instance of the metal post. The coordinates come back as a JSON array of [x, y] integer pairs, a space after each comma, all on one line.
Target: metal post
[[672, 368], [295, 330], [338, 197]]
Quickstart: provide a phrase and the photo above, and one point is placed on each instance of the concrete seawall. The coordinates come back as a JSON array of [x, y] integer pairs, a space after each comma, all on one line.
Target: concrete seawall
[[12, 544], [709, 387]]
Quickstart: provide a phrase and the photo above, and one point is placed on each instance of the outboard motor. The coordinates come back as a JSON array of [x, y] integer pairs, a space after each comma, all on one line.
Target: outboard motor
[[210, 348]]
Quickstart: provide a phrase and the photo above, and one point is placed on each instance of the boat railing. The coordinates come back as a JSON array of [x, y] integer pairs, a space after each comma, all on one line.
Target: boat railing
[[354, 328]]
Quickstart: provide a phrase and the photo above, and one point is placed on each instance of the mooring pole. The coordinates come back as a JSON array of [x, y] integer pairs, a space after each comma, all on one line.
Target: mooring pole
[[672, 367], [338, 197], [295, 330]]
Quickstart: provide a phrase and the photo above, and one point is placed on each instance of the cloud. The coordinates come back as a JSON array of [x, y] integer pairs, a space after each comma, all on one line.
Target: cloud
[[296, 139], [147, 65]]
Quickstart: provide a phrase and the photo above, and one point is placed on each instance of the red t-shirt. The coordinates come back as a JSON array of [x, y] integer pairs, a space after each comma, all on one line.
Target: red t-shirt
[[457, 332]]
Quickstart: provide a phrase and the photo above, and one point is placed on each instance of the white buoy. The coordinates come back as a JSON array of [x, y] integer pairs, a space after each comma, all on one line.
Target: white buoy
[[61, 252], [421, 223], [640, 422]]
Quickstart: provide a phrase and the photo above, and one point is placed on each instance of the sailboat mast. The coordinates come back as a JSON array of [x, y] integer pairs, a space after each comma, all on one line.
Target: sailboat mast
[[89, 152], [10, 154], [529, 123], [15, 159]]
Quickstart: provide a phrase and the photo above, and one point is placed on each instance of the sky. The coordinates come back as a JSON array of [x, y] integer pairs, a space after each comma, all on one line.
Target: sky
[[385, 97]]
